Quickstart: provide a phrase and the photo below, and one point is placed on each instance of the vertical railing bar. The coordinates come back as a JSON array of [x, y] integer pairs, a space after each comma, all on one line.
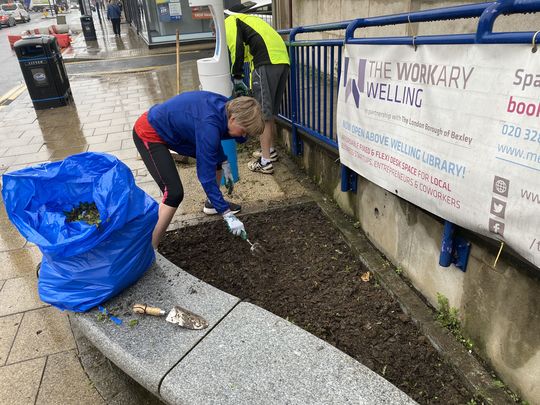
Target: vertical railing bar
[[331, 131], [340, 48], [313, 67], [325, 88], [303, 98], [308, 96], [319, 89], [289, 89], [294, 96], [296, 105]]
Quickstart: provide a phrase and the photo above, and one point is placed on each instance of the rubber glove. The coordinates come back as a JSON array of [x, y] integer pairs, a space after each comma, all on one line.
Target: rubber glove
[[228, 177], [236, 227], [240, 88]]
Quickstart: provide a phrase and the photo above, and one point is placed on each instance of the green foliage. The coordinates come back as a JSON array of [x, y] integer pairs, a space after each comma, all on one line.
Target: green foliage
[[498, 384], [448, 317], [399, 270], [133, 323], [86, 212], [101, 317]]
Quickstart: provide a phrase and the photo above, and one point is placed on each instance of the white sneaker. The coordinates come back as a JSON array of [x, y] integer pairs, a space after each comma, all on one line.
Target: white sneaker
[[273, 155], [209, 209], [257, 166]]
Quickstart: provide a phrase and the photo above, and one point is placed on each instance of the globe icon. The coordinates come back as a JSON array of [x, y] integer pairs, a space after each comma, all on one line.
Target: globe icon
[[500, 186]]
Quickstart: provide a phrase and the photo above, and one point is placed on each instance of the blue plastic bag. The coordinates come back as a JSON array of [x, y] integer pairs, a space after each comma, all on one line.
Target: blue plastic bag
[[83, 265]]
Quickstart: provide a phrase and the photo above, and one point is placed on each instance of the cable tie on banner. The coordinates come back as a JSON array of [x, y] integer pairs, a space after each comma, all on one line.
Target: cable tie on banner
[[534, 47], [414, 43], [498, 255]]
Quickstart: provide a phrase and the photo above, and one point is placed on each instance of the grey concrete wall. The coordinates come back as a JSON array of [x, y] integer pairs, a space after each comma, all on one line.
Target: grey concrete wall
[[499, 306]]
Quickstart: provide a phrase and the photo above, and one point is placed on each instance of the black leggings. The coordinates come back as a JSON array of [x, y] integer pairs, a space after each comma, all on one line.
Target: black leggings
[[160, 164]]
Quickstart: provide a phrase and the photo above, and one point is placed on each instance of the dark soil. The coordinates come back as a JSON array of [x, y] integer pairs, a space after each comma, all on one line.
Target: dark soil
[[311, 277]]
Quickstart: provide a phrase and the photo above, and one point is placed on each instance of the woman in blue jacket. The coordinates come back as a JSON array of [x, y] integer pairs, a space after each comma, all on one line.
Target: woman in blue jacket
[[194, 124]]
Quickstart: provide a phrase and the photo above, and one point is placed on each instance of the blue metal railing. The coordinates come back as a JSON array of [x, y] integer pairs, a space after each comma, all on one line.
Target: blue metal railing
[[311, 96], [310, 102]]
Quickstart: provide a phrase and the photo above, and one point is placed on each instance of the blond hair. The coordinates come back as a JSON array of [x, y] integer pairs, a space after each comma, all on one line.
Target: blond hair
[[247, 113]]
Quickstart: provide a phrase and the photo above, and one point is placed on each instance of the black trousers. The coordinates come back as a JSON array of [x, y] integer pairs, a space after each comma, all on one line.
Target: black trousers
[[160, 164], [116, 25]]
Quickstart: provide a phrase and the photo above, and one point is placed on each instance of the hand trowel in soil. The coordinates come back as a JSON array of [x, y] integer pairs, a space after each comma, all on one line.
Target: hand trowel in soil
[[256, 248], [178, 315]]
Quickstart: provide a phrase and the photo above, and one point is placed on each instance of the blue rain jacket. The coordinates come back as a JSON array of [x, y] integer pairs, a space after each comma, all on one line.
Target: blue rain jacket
[[113, 11], [194, 124]]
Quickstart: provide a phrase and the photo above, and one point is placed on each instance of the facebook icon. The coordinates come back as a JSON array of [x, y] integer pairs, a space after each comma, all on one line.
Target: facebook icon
[[496, 227]]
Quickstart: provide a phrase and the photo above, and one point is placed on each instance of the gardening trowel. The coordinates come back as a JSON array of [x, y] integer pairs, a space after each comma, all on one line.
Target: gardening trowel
[[256, 248], [178, 315]]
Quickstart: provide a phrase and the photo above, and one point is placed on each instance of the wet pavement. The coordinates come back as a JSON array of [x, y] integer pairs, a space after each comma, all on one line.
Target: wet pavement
[[38, 357]]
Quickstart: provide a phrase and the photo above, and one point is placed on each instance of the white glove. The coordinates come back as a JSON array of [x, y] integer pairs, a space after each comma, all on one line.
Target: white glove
[[228, 177], [236, 227]]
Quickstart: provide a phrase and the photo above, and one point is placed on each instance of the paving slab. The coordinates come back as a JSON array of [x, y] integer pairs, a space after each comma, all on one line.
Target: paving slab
[[42, 332], [256, 357], [148, 350], [10, 238], [19, 382], [8, 329], [20, 294], [20, 262], [64, 382]]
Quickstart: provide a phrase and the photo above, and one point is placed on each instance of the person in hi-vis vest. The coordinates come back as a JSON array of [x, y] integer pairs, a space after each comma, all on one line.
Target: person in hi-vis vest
[[250, 39]]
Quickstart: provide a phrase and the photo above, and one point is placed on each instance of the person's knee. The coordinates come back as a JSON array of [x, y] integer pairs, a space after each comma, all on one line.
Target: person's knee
[[174, 197]]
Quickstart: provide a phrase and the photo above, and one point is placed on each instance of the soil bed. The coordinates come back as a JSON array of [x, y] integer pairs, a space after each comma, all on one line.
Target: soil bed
[[311, 277]]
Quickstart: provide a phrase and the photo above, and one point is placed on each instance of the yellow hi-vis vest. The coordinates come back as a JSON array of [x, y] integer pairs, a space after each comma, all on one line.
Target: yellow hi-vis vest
[[250, 39]]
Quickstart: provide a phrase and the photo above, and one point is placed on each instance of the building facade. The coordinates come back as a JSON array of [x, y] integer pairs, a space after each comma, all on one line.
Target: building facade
[[156, 21]]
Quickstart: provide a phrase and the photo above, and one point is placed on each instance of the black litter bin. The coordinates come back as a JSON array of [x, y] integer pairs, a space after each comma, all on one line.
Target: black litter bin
[[89, 31], [43, 71]]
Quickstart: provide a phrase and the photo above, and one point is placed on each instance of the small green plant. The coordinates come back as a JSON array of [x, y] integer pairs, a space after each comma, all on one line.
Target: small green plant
[[101, 317], [498, 384], [472, 402], [133, 323], [399, 270], [448, 317]]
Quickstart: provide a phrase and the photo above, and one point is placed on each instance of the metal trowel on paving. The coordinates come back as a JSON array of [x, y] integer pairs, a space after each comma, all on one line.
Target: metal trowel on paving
[[178, 315]]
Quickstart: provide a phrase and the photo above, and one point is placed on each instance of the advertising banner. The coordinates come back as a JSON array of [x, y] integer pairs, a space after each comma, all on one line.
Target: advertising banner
[[454, 129]]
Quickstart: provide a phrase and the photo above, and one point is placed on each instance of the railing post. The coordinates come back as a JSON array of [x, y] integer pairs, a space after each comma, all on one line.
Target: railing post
[[296, 142], [349, 179], [454, 249]]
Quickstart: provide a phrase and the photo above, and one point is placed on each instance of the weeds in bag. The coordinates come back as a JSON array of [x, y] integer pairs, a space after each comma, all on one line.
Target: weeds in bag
[[86, 212]]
